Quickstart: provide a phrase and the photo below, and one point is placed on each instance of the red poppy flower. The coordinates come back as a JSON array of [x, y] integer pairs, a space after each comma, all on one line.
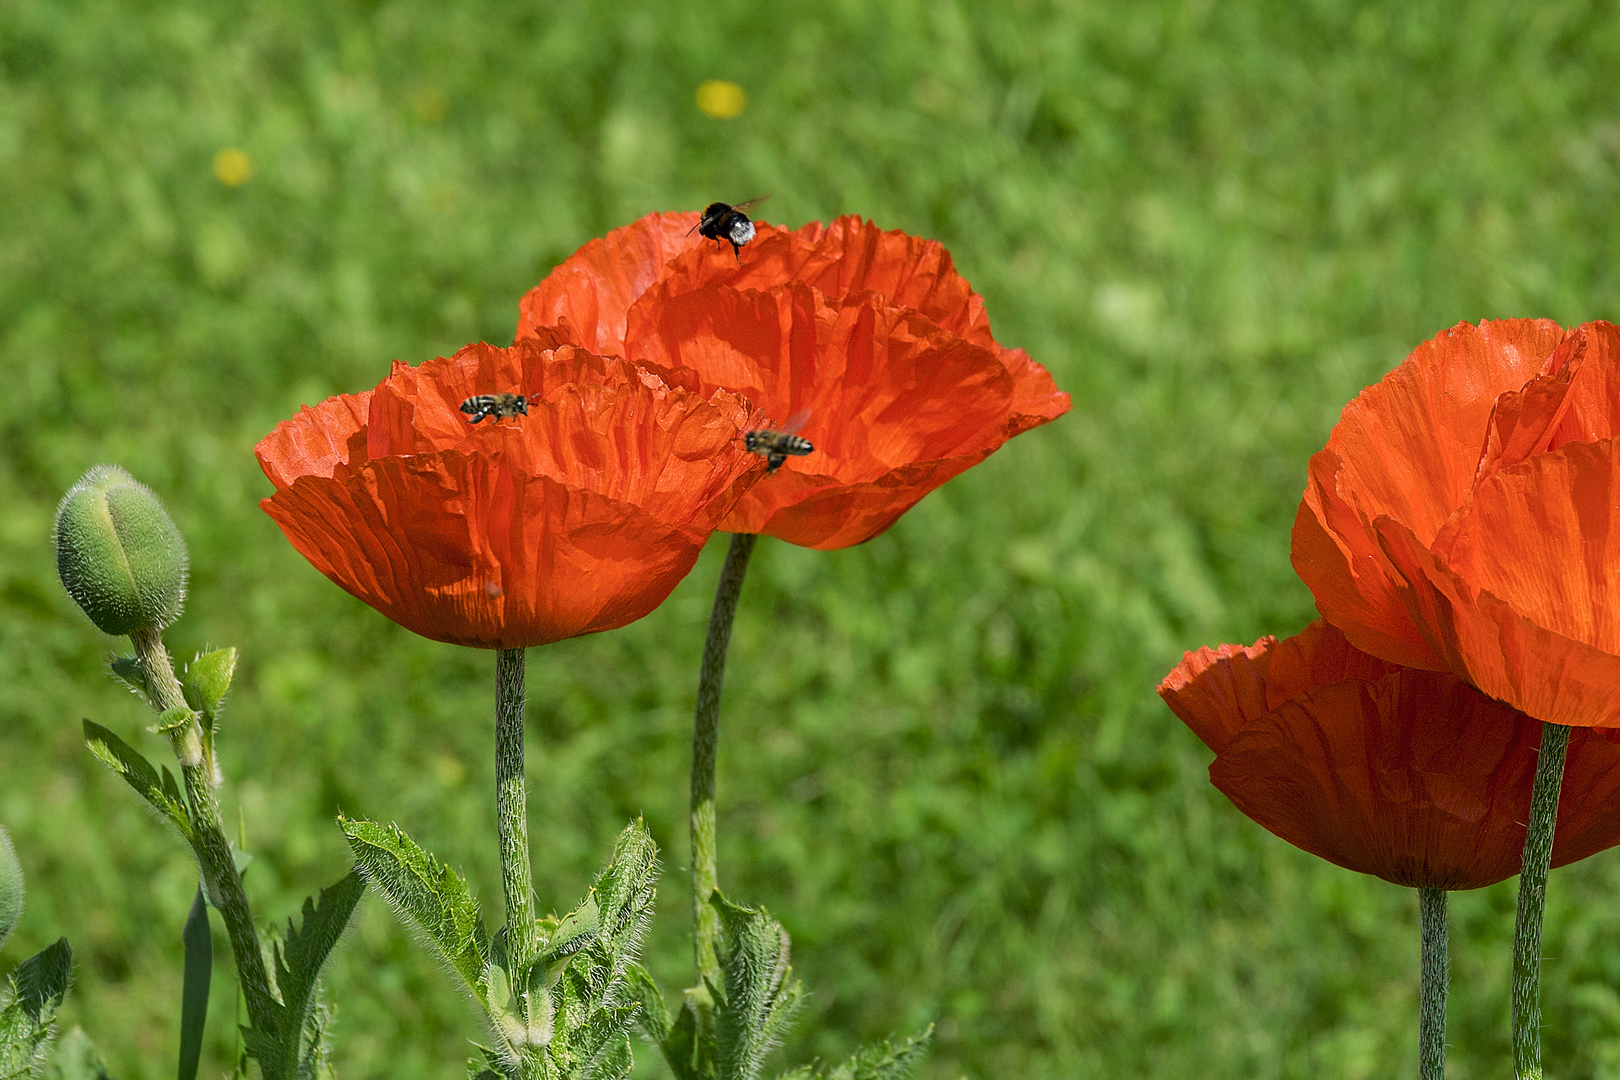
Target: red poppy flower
[[579, 516], [1465, 516], [871, 335], [1410, 775]]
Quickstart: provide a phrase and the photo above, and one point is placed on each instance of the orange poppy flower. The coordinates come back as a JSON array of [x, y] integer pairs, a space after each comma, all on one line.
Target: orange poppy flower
[[1409, 775], [1465, 516], [580, 516], [870, 335]]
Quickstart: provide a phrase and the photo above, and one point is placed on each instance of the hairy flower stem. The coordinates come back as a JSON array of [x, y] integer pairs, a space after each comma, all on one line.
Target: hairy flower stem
[[213, 850], [511, 804], [1432, 985], [705, 741], [1538, 843]]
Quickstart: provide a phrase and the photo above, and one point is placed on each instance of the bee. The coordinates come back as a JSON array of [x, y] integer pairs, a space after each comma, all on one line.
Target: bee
[[777, 445], [728, 224], [497, 405]]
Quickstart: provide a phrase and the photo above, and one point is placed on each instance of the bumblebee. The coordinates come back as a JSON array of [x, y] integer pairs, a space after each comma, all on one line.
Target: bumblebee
[[776, 446], [728, 224], [497, 405]]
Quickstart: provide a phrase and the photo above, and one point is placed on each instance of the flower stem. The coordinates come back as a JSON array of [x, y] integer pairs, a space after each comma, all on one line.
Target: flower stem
[[1538, 843], [705, 740], [208, 840], [511, 803], [1432, 985]]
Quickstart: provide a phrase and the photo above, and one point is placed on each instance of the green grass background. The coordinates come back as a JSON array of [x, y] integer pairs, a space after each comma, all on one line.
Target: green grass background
[[943, 764]]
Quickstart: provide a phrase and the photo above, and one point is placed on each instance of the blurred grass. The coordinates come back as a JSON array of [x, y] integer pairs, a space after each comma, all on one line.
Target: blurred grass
[[943, 764]]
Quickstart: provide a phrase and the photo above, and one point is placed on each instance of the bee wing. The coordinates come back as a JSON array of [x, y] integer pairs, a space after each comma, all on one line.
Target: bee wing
[[795, 423], [744, 207]]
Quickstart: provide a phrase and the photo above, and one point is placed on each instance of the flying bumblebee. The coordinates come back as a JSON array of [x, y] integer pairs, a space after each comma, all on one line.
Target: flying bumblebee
[[777, 445], [497, 405], [728, 224]]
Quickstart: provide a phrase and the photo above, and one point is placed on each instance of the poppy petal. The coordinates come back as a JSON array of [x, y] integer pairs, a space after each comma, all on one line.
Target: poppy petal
[[591, 291], [1594, 400], [1410, 775], [578, 516], [1417, 779], [317, 440], [1506, 655], [1217, 692], [443, 567], [1337, 555]]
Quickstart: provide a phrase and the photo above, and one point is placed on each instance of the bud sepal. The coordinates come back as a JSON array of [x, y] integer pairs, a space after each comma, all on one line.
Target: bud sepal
[[119, 554]]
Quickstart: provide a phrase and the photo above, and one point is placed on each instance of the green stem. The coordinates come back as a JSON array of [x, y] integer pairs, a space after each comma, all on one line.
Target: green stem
[[705, 742], [1432, 985], [1538, 843], [208, 840], [511, 804]]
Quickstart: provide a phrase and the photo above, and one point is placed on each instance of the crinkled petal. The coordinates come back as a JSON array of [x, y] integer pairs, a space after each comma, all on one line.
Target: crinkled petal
[[895, 405], [1415, 778], [1337, 555], [460, 548], [591, 291], [1216, 692], [1409, 447], [1594, 400], [1318, 656], [1484, 640], [579, 516], [317, 441]]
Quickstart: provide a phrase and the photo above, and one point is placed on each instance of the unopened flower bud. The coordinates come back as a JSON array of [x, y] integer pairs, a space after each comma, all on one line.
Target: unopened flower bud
[[11, 887], [118, 553], [207, 680]]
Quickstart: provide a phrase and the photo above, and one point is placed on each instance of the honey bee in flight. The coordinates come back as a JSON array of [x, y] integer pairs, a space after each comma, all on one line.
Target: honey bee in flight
[[497, 405], [728, 224], [777, 445]]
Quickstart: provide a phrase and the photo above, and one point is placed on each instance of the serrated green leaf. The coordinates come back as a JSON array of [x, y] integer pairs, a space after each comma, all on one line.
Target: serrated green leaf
[[207, 680], [42, 980], [761, 995], [884, 1060], [298, 963], [426, 893], [127, 670], [11, 887], [158, 789], [28, 1010], [625, 889], [689, 1047], [652, 1015], [199, 972]]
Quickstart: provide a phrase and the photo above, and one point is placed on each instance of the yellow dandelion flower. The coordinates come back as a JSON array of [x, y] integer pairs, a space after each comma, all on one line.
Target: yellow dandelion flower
[[720, 99], [232, 167]]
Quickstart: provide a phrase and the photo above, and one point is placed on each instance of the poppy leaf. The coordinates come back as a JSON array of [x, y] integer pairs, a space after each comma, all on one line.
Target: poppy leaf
[[301, 955], [158, 789], [652, 1015], [426, 894], [128, 671], [884, 1060], [761, 995], [28, 1008]]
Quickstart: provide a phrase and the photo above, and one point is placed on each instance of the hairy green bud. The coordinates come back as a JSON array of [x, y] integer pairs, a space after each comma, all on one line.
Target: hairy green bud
[[118, 553], [207, 680], [11, 887]]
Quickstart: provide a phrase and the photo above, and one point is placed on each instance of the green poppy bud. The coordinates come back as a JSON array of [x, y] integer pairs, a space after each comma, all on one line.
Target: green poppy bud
[[120, 556], [11, 887], [206, 681]]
